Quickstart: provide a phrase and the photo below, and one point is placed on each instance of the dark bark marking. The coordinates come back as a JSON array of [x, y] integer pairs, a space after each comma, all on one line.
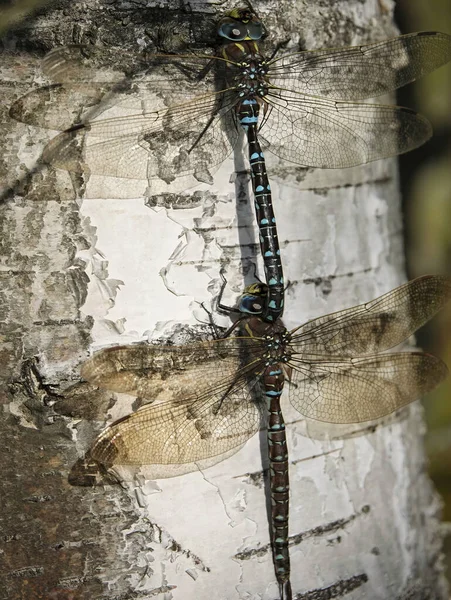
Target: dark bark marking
[[336, 590], [295, 540]]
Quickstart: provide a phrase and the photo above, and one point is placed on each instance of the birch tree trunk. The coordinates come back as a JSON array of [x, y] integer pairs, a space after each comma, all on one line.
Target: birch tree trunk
[[79, 274]]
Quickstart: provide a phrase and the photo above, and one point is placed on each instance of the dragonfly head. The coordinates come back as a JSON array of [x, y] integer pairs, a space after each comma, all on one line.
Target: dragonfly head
[[252, 302], [241, 24]]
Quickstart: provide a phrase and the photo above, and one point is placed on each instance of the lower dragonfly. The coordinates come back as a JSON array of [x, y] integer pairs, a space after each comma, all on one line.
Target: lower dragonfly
[[208, 398]]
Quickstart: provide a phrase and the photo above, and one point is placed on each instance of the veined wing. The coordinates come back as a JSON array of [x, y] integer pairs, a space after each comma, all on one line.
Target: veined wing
[[374, 326], [88, 77], [144, 369], [121, 133], [83, 75], [73, 64], [353, 390], [322, 133], [165, 143], [90, 64], [204, 400], [57, 107], [357, 72]]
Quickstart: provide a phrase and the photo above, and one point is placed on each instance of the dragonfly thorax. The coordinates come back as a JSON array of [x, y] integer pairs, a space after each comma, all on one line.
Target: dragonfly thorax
[[254, 68], [277, 344], [252, 89], [250, 79]]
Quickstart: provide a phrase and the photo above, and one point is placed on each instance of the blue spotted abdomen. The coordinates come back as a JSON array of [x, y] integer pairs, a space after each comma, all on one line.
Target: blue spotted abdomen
[[248, 113], [273, 380]]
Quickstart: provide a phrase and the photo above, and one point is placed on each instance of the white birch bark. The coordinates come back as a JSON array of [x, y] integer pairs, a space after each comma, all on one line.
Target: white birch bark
[[364, 517]]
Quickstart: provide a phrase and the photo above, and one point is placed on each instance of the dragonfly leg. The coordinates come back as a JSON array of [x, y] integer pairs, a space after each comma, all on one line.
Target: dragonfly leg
[[217, 332], [205, 70], [248, 3], [228, 309], [233, 326], [289, 284], [279, 46], [223, 307], [255, 273], [207, 125]]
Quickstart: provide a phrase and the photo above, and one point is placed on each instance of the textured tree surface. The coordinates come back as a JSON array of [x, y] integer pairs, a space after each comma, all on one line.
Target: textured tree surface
[[80, 274]]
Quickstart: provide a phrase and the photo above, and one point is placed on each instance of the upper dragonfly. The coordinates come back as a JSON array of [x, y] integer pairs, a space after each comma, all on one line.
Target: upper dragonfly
[[293, 106]]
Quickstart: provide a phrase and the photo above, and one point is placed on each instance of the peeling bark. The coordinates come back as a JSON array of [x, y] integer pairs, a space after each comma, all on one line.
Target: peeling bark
[[82, 274]]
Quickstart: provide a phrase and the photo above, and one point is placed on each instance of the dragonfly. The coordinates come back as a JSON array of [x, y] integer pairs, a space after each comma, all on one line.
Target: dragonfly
[[208, 398], [184, 114]]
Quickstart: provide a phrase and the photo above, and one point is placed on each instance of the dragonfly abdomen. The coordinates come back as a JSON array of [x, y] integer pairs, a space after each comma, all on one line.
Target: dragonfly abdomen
[[266, 220], [273, 379], [247, 72]]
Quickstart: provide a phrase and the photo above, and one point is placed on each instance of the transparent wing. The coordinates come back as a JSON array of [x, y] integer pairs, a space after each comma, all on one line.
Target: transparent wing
[[374, 326], [90, 64], [118, 130], [365, 71], [205, 400], [322, 133], [356, 390], [195, 128], [182, 139], [188, 138], [96, 65], [200, 428], [83, 76], [89, 81], [57, 107]]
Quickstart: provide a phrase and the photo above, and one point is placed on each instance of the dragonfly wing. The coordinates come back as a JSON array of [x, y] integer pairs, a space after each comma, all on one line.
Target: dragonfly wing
[[85, 64], [93, 64], [317, 132], [362, 389], [83, 75], [196, 429], [160, 144], [57, 107], [205, 401], [155, 117], [89, 76], [357, 72], [377, 325]]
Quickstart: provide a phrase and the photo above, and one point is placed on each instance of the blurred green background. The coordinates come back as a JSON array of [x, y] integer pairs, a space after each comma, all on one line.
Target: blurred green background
[[426, 190]]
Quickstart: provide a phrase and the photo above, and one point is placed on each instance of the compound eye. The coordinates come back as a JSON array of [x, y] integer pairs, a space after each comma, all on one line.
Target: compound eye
[[233, 31], [255, 30], [250, 304]]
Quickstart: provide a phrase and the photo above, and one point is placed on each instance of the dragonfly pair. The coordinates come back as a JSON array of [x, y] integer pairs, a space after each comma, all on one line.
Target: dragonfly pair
[[299, 106]]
